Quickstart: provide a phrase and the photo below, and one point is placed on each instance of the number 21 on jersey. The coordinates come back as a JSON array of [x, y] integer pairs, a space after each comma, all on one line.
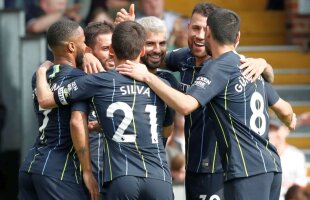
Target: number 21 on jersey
[[119, 133]]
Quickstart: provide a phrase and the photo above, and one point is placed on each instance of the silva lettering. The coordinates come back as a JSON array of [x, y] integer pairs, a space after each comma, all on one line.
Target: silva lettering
[[138, 89]]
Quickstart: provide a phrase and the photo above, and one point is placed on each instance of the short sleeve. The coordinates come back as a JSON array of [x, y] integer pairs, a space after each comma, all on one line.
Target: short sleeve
[[78, 90], [174, 57], [82, 106], [272, 95], [212, 80]]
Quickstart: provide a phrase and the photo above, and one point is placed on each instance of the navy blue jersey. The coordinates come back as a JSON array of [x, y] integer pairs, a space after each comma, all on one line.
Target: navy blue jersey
[[169, 118], [201, 147], [131, 116], [53, 153], [96, 150], [239, 109]]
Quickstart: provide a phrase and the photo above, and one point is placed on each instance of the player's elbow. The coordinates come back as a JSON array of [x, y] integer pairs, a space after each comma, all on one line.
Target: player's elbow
[[185, 110], [188, 105], [75, 123], [46, 103]]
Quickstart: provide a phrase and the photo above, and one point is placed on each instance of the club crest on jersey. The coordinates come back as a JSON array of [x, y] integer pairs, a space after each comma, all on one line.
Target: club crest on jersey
[[138, 89], [202, 82]]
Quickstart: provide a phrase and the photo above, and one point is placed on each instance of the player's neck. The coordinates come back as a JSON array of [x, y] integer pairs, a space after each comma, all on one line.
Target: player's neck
[[218, 50], [119, 62], [64, 61]]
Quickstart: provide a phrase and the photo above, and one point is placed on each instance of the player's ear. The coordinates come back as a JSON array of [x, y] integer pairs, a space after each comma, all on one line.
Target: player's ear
[[237, 39], [208, 32], [71, 46], [142, 52]]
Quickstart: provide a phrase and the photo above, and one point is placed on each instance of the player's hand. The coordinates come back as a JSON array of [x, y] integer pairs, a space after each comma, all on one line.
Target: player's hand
[[252, 68], [91, 185], [94, 126], [293, 123], [123, 15], [92, 64], [303, 119], [136, 71], [45, 65]]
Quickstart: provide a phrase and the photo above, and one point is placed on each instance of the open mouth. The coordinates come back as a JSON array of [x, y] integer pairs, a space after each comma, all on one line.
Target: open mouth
[[199, 44], [155, 57]]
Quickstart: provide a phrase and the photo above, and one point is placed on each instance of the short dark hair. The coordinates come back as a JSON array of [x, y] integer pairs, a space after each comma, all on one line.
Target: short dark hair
[[224, 25], [93, 29], [204, 9], [61, 31], [128, 40]]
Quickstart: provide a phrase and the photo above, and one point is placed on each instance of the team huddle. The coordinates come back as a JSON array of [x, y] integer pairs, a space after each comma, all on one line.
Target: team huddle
[[225, 104]]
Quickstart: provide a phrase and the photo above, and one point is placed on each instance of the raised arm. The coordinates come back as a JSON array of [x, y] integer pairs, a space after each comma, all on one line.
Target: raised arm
[[123, 15], [285, 113], [178, 101], [79, 135], [253, 67]]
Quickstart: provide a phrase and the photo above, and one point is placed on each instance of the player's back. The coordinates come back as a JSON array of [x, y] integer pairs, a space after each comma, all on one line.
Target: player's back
[[131, 116], [240, 111], [53, 153]]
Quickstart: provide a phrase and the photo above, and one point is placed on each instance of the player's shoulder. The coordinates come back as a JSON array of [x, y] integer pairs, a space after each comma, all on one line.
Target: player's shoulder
[[75, 71], [108, 77], [229, 60], [181, 53], [168, 77]]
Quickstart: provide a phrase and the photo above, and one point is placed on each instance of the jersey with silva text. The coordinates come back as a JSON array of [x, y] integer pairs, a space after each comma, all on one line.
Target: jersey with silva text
[[53, 153], [239, 109], [202, 154], [131, 116]]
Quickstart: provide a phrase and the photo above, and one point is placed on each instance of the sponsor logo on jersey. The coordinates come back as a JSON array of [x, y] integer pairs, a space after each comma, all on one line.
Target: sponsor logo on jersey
[[202, 82]]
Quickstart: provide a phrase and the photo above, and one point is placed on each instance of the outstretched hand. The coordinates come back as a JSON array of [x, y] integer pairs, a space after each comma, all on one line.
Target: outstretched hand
[[123, 15], [136, 71]]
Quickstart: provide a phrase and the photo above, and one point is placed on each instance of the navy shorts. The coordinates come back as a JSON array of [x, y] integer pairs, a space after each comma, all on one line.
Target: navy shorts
[[38, 187], [259, 187], [204, 186], [134, 188]]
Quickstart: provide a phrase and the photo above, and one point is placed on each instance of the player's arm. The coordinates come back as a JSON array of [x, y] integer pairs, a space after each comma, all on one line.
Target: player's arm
[[43, 91], [285, 113], [79, 135], [282, 109], [253, 67], [178, 101], [82, 88]]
